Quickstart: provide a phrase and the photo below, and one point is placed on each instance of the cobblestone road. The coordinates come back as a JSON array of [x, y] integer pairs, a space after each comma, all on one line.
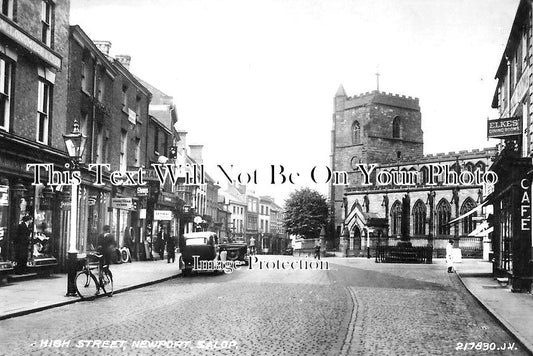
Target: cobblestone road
[[357, 308]]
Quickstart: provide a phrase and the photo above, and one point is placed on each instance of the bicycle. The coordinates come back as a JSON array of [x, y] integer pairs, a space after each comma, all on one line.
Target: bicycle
[[87, 283]]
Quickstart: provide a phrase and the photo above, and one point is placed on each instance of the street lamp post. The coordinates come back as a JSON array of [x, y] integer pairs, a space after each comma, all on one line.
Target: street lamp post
[[75, 144]]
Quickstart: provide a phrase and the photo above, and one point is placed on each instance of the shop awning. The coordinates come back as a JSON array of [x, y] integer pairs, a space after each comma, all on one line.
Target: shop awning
[[481, 230], [477, 208]]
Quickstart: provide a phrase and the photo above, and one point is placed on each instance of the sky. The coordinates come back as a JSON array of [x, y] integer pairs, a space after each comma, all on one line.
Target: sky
[[254, 80]]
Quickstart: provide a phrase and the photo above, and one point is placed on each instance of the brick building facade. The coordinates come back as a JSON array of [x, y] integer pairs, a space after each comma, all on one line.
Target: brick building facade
[[34, 64], [512, 243]]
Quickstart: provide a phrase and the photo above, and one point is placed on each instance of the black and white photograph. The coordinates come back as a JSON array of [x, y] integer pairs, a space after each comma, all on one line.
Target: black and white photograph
[[266, 177]]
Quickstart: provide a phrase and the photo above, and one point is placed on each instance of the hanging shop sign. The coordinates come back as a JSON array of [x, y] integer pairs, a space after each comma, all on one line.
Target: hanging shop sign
[[511, 126], [142, 191]]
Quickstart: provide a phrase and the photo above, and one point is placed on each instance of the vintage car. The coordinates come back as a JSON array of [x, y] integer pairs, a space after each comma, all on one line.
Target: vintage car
[[236, 251], [199, 248]]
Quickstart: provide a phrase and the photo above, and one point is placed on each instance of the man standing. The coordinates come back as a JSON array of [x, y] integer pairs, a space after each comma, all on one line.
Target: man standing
[[252, 246], [317, 250], [21, 244], [106, 241]]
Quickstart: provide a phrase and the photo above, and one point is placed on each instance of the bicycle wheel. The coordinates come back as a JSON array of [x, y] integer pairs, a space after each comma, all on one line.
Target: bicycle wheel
[[86, 284], [107, 282]]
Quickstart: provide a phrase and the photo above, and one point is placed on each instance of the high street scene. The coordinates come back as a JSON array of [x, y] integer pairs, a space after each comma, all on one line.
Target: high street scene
[[266, 178]]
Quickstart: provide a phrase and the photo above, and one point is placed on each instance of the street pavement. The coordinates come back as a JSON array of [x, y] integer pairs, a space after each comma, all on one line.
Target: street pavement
[[357, 307]]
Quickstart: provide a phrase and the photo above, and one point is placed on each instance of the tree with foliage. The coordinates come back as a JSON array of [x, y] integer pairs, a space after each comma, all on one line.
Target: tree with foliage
[[306, 213]]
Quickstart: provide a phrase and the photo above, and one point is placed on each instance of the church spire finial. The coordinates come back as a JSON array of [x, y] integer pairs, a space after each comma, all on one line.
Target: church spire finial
[[377, 78]]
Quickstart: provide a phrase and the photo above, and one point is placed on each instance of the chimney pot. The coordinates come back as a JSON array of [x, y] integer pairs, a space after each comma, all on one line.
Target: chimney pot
[[103, 46], [124, 59]]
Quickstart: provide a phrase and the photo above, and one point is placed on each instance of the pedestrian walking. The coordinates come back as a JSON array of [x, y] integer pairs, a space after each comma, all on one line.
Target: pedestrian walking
[[171, 249], [317, 250], [128, 244], [449, 256], [21, 244]]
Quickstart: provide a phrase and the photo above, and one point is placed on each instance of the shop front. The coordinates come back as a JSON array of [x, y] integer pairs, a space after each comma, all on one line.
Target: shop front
[[511, 201], [39, 205]]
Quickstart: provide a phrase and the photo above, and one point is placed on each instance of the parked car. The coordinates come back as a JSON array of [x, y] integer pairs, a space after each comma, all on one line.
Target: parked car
[[200, 245], [236, 251]]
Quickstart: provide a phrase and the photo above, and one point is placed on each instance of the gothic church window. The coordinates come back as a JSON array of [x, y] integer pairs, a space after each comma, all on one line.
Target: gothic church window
[[444, 213], [396, 218], [356, 133], [468, 223], [419, 218], [396, 127]]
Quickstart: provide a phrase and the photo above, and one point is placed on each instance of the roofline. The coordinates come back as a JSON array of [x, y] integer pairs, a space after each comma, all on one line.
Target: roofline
[[519, 17], [159, 123], [125, 72], [76, 29]]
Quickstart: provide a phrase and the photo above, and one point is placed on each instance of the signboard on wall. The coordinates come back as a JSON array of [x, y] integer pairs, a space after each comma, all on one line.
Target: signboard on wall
[[4, 195], [511, 126], [162, 215], [122, 203], [142, 191]]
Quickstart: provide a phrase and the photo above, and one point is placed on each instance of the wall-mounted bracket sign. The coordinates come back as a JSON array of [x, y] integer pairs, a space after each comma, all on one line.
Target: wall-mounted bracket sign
[[511, 126]]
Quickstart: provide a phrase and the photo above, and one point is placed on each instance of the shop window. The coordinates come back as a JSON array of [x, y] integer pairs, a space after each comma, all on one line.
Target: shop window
[[396, 218], [506, 231], [4, 219], [5, 93], [444, 213], [468, 222], [419, 217], [42, 234]]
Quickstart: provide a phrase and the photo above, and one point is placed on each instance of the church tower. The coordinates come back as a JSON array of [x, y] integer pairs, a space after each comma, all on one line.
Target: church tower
[[374, 127]]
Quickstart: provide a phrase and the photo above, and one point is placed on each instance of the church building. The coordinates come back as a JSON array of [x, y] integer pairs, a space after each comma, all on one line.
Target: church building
[[396, 191]]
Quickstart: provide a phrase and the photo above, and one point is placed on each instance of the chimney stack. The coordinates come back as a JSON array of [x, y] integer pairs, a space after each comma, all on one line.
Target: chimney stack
[[103, 46], [124, 59], [196, 153], [182, 143]]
